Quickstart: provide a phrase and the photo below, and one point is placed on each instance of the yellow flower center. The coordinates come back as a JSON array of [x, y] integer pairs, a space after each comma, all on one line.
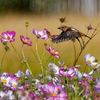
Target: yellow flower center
[[50, 33], [54, 95], [27, 22], [14, 85], [53, 51], [8, 37], [24, 41], [77, 66], [89, 62], [93, 66], [4, 81]]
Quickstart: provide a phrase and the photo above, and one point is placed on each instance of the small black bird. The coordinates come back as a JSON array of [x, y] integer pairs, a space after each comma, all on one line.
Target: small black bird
[[69, 33]]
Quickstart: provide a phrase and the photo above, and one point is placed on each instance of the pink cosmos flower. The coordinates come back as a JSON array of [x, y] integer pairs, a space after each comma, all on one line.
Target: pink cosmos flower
[[25, 41], [70, 73], [50, 34], [40, 34], [53, 52], [8, 36], [54, 92]]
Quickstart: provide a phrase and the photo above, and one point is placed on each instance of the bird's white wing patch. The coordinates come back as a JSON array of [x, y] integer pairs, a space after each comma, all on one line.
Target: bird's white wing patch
[[74, 29]]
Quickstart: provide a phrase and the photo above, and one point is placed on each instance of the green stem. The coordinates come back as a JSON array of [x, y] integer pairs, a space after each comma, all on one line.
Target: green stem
[[39, 57], [48, 60], [43, 54], [26, 61], [26, 32], [16, 51], [2, 60], [34, 55], [85, 68]]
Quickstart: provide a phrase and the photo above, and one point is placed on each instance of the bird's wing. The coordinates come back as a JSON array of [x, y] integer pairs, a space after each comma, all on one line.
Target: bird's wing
[[66, 35]]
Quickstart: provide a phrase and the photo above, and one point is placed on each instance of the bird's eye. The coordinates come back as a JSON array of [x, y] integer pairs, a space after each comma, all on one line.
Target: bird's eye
[[62, 26]]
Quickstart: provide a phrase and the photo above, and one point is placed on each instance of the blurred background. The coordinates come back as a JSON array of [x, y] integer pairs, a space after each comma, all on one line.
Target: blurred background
[[46, 14]]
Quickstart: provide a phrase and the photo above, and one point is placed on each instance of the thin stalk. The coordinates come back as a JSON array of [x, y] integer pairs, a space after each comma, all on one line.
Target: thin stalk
[[26, 61], [74, 52], [39, 57], [2, 60], [85, 68], [34, 55], [43, 54], [86, 44], [48, 60], [16, 51], [26, 31]]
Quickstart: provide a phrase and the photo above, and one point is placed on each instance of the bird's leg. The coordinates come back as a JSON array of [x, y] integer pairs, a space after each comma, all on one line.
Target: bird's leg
[[79, 42], [82, 42]]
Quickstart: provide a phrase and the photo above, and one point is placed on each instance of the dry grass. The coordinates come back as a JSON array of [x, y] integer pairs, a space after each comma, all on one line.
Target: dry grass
[[15, 21]]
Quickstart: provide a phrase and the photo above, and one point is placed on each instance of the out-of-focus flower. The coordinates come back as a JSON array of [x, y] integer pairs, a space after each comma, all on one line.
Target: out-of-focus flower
[[62, 19], [28, 72], [26, 23], [90, 60], [25, 41], [19, 74], [8, 36], [8, 95], [53, 52], [64, 71], [54, 92], [13, 83], [90, 28], [40, 34], [54, 68], [71, 72], [50, 34], [78, 66], [97, 86]]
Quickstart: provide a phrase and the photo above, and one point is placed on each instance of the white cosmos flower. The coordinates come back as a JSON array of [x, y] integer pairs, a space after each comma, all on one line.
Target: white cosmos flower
[[90, 60]]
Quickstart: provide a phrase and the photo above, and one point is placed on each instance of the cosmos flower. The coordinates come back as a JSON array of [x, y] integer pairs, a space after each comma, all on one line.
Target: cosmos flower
[[90, 28], [90, 60], [53, 52], [64, 71], [8, 36], [54, 92], [25, 41], [40, 34], [50, 34]]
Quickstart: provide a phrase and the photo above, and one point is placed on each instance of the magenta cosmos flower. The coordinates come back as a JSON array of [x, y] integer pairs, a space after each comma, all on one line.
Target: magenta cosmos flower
[[54, 92], [25, 41], [50, 34], [53, 52], [8, 36], [40, 34]]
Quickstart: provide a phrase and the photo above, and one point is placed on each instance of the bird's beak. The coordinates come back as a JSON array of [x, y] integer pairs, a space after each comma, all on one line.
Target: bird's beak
[[58, 28]]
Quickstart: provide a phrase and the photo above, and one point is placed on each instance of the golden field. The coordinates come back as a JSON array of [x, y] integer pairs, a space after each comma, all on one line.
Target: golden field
[[16, 22]]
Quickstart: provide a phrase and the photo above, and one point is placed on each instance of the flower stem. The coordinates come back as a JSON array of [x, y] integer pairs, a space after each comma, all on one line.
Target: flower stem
[[26, 32], [2, 61], [86, 44], [26, 61], [16, 51], [39, 57], [34, 55]]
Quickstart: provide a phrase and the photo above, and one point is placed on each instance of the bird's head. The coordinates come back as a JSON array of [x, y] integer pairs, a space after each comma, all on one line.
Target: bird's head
[[63, 27]]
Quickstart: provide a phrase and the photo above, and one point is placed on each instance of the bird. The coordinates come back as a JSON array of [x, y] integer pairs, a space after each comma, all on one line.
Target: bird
[[69, 33]]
